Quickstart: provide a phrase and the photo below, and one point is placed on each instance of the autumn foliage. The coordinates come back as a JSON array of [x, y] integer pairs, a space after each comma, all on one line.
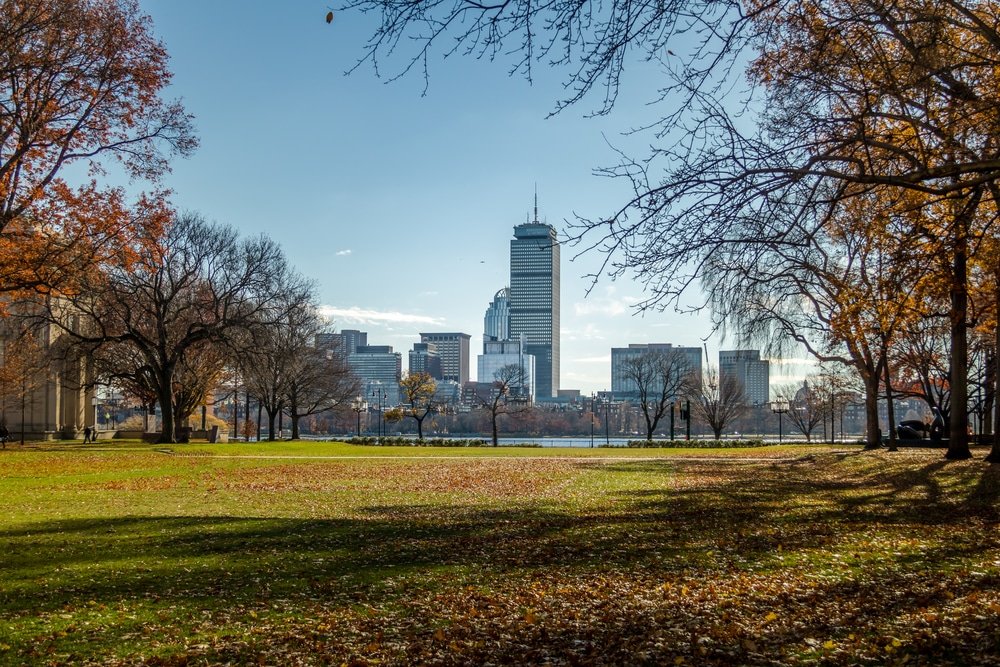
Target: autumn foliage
[[80, 91]]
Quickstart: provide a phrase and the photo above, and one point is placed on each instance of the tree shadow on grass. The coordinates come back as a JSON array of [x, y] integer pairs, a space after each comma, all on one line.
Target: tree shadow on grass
[[711, 526]]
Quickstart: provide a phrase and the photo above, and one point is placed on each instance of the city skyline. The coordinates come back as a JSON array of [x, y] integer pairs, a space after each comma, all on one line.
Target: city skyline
[[400, 204]]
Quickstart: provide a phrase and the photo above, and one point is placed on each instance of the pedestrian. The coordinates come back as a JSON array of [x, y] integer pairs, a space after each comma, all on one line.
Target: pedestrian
[[86, 435], [4, 434]]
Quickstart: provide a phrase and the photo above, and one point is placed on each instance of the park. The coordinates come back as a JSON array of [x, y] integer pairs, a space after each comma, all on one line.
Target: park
[[326, 553]]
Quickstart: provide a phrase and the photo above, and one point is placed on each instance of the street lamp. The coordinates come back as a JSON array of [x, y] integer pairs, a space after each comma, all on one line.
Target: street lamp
[[359, 405], [779, 407], [593, 398], [94, 404]]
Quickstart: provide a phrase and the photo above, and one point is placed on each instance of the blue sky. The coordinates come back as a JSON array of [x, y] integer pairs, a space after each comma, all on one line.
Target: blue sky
[[400, 203]]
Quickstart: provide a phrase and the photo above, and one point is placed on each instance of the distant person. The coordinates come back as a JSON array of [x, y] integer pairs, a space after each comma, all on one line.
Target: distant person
[[4, 434], [86, 435]]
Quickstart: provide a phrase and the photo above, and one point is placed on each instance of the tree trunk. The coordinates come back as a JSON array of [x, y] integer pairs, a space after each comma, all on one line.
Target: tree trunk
[[420, 428], [994, 455], [958, 436], [271, 416], [495, 439], [890, 409], [872, 439], [167, 417], [294, 416]]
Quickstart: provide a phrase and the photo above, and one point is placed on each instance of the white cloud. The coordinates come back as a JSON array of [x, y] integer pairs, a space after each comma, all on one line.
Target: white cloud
[[355, 315], [344, 253], [608, 304], [603, 359]]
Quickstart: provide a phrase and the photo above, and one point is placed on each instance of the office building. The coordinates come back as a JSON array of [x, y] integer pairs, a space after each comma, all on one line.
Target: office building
[[750, 370], [453, 349], [379, 369], [345, 342], [500, 353], [534, 299], [496, 322], [624, 387], [424, 358]]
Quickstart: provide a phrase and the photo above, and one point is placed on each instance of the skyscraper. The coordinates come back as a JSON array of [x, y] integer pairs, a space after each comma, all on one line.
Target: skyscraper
[[751, 371], [534, 299], [453, 348], [496, 322], [424, 359]]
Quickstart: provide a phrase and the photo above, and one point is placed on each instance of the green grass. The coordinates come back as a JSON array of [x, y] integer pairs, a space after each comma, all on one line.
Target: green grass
[[318, 553]]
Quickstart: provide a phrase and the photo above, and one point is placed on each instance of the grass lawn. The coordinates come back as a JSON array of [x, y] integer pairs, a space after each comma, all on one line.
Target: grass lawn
[[324, 553]]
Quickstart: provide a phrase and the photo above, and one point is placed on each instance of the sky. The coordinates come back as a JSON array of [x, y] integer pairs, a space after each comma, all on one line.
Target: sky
[[400, 199]]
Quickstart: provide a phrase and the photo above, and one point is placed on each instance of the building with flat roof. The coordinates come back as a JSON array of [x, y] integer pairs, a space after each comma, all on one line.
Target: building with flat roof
[[453, 349], [752, 372], [424, 358], [534, 299], [379, 369], [499, 353], [624, 387]]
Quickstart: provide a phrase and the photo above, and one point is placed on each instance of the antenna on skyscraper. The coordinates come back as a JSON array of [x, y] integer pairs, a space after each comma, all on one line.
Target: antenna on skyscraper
[[536, 201]]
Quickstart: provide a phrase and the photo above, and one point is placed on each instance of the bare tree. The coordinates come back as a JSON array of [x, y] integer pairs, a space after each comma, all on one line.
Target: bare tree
[[658, 377], [718, 401], [805, 407], [497, 398], [198, 285], [284, 368]]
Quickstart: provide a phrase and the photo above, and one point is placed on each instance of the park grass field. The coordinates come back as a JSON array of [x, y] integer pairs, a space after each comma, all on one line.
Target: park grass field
[[325, 553]]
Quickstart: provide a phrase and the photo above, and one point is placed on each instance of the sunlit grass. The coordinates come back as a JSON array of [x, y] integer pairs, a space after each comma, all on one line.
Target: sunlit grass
[[303, 552]]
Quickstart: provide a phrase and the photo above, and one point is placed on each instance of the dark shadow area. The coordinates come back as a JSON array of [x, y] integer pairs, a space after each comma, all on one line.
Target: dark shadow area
[[712, 524]]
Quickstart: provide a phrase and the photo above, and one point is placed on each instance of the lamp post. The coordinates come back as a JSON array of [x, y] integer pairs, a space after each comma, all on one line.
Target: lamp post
[[593, 398], [779, 407], [380, 395], [94, 404], [358, 405]]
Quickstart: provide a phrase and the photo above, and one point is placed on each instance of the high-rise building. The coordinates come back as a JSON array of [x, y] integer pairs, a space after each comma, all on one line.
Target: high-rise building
[[534, 299], [499, 353], [622, 386], [496, 322], [345, 342], [424, 359], [453, 349], [750, 370], [380, 370]]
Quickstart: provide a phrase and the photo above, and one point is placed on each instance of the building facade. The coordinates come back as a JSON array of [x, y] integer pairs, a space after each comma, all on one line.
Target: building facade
[[380, 370], [499, 353], [496, 322], [345, 342], [752, 372], [424, 358], [534, 299], [624, 387], [453, 349]]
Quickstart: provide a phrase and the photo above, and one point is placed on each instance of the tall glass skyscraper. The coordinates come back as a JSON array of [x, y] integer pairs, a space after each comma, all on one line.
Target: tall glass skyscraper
[[534, 299]]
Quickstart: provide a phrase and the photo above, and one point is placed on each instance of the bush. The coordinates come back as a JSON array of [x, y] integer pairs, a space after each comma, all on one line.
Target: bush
[[697, 444], [399, 441]]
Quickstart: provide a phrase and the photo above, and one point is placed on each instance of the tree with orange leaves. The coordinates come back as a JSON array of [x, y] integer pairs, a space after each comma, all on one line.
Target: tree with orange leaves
[[80, 84]]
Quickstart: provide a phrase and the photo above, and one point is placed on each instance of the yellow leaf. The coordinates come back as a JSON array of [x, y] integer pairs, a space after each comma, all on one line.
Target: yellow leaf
[[897, 643], [829, 644], [529, 617], [770, 617]]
